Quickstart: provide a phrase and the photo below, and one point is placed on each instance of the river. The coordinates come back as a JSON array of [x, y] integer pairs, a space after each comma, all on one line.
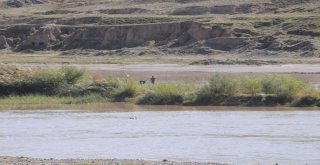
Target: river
[[204, 135]]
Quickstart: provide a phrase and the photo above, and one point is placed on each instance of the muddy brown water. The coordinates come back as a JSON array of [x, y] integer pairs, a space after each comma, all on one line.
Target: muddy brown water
[[234, 135]]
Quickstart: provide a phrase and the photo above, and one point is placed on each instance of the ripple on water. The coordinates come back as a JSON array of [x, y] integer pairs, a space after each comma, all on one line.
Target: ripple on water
[[239, 137]]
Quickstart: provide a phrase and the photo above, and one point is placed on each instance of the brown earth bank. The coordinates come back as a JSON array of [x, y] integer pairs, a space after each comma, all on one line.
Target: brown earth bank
[[187, 37], [261, 27], [34, 161]]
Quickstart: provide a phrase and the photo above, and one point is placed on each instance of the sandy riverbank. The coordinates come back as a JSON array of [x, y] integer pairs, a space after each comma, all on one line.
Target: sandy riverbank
[[192, 73], [34, 161]]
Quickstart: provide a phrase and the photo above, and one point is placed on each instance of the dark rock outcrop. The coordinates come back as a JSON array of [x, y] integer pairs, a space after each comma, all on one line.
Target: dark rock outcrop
[[226, 44], [22, 3], [225, 9], [3, 42], [125, 11], [304, 33], [191, 10]]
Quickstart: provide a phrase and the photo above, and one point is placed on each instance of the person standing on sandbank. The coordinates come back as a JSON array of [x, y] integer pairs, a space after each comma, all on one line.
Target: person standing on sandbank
[[153, 80]]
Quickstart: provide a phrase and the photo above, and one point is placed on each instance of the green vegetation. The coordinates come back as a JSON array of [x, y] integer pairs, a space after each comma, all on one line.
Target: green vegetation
[[34, 99], [71, 85], [166, 94], [18, 81], [266, 90], [127, 89]]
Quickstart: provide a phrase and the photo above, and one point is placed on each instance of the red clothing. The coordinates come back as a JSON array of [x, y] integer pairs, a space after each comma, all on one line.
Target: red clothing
[[153, 80]]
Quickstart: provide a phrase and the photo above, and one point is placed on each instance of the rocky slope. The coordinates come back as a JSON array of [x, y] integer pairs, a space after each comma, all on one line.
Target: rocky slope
[[277, 27]]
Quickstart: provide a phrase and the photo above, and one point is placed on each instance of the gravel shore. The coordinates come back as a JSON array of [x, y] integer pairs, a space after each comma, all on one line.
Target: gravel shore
[[5, 160]]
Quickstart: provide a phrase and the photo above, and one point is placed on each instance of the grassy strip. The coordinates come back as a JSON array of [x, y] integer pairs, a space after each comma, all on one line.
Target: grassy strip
[[34, 99], [41, 99], [76, 57], [70, 85]]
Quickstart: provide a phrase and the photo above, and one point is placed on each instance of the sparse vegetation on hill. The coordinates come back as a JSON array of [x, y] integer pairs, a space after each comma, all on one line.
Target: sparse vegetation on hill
[[285, 29]]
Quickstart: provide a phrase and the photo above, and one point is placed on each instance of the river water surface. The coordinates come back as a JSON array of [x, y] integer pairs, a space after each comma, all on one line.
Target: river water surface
[[234, 137]]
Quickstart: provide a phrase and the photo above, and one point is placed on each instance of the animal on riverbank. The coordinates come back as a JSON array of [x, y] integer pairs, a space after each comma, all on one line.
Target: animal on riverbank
[[141, 82]]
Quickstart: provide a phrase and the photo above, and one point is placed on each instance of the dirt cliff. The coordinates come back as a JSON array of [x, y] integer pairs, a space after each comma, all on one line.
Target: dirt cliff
[[163, 27], [198, 37], [110, 37], [3, 42]]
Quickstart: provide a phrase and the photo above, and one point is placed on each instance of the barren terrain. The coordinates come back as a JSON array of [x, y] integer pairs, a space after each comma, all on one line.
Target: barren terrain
[[209, 31]]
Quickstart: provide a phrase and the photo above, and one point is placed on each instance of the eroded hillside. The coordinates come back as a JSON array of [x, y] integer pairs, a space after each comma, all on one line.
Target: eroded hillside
[[259, 28]]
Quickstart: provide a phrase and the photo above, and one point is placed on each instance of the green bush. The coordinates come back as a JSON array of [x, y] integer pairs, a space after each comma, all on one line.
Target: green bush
[[160, 99], [165, 94], [274, 100], [45, 82], [284, 86], [15, 80], [72, 74], [219, 86], [128, 88], [103, 87], [306, 101], [220, 90], [251, 86]]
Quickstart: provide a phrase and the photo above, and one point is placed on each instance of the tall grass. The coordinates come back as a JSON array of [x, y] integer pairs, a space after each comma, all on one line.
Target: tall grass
[[72, 74], [251, 86], [166, 94], [285, 86], [19, 81], [219, 86], [70, 85], [275, 89], [128, 88], [35, 99]]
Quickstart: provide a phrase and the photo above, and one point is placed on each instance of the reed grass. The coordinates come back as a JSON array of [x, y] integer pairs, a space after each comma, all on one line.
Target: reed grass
[[34, 99], [70, 85]]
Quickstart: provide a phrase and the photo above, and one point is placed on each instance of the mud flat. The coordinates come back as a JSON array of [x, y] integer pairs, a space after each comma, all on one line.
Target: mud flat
[[192, 73], [34, 161], [288, 68]]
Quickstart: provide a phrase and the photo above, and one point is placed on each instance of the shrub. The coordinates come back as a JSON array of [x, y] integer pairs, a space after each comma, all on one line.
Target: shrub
[[251, 86], [72, 74], [167, 94], [160, 99], [103, 87], [46, 82], [272, 100], [15, 80], [306, 101], [128, 88], [285, 86], [219, 86], [223, 86]]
